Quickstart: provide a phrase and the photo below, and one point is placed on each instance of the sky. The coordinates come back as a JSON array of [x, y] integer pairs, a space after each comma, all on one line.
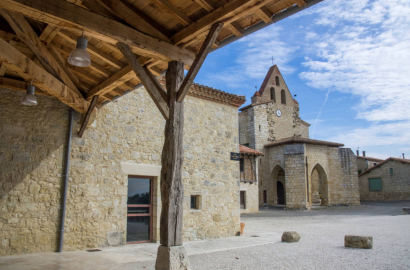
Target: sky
[[348, 62]]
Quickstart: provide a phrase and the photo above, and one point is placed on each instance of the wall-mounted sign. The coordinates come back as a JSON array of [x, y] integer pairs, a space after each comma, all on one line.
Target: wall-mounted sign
[[235, 156]]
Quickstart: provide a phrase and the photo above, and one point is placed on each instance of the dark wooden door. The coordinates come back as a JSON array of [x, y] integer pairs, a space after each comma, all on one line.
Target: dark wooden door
[[139, 210], [242, 200], [265, 197], [281, 193]]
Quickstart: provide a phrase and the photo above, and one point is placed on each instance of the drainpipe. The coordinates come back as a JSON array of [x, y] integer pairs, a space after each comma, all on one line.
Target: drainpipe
[[66, 172], [307, 179]]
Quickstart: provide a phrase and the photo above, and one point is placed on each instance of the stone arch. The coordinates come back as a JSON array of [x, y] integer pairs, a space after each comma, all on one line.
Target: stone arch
[[278, 191], [319, 185], [283, 96]]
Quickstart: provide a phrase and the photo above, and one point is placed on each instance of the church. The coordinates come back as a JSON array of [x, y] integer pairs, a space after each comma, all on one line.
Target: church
[[294, 170]]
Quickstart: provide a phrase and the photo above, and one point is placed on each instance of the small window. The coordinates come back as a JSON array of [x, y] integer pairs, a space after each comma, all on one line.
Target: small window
[[243, 200], [283, 96], [272, 94], [260, 127], [391, 171], [196, 202], [277, 80], [246, 144], [265, 197], [374, 164], [242, 164], [375, 184]]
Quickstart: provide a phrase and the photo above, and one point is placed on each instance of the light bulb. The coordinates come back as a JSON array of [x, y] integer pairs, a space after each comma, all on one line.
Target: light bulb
[[80, 57], [29, 98]]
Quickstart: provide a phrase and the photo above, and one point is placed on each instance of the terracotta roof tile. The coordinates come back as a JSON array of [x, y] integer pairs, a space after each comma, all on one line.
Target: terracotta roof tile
[[292, 140], [249, 151]]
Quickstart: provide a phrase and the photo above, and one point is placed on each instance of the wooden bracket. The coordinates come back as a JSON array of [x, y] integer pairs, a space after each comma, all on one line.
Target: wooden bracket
[[154, 89], [199, 60], [87, 116]]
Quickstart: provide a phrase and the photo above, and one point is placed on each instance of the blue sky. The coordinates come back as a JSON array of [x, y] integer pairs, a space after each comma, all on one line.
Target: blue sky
[[348, 63]]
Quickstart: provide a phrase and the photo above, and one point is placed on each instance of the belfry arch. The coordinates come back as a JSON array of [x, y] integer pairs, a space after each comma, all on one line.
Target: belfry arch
[[320, 188]]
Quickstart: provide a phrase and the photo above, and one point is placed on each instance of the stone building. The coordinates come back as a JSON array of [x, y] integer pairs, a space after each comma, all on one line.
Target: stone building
[[113, 189], [386, 181], [249, 160], [364, 163], [296, 171]]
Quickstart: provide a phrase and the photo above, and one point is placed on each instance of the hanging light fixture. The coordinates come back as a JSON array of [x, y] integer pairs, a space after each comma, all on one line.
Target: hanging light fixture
[[80, 57], [29, 98]]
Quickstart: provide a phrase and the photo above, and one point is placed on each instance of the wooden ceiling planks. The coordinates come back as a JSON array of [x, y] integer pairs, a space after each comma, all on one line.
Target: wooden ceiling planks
[[156, 30]]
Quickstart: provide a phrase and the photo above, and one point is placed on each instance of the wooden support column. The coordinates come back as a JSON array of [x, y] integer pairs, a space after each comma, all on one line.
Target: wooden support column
[[171, 254]]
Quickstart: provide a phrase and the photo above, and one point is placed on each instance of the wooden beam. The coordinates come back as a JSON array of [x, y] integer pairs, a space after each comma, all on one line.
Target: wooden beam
[[166, 6], [236, 30], [199, 60], [264, 14], [48, 34], [225, 14], [123, 11], [301, 3], [2, 70], [153, 88], [66, 15], [87, 116], [26, 34], [206, 4], [28, 70], [18, 85], [172, 190], [118, 78]]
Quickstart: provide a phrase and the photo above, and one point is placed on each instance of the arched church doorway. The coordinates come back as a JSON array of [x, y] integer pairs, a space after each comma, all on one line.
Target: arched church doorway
[[280, 189], [319, 189]]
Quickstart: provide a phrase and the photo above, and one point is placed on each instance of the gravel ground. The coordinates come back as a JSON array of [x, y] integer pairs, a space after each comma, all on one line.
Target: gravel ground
[[322, 242]]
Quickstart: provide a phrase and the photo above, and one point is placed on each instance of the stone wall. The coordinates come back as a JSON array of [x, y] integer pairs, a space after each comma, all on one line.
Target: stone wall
[[129, 130], [395, 186]]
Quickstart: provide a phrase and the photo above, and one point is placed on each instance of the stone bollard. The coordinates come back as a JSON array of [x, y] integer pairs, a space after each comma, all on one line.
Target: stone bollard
[[406, 210], [290, 237], [355, 241]]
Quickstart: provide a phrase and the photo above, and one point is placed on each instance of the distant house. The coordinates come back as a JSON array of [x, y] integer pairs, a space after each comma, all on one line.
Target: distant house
[[248, 196], [386, 181], [364, 163]]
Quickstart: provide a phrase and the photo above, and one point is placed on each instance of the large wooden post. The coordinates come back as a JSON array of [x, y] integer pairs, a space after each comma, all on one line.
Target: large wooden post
[[171, 253]]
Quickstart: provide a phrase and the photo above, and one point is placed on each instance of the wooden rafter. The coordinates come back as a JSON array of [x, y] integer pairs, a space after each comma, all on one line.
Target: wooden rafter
[[18, 85], [28, 70], [180, 16], [123, 11], [26, 34], [48, 34], [87, 116], [153, 88], [236, 30], [66, 15], [112, 82], [301, 3], [199, 60], [264, 14], [206, 4], [2, 70]]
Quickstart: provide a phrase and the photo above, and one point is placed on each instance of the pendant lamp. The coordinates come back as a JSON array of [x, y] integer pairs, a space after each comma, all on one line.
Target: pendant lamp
[[80, 57], [29, 98]]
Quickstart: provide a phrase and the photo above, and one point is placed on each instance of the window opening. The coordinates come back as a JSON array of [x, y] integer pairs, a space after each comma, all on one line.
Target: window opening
[[283, 96]]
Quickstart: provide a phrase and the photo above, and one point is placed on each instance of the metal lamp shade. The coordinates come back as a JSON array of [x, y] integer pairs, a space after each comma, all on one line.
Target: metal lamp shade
[[29, 98], [80, 57]]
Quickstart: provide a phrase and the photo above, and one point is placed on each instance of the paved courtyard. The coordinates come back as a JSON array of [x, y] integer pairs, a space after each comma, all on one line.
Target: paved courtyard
[[321, 246]]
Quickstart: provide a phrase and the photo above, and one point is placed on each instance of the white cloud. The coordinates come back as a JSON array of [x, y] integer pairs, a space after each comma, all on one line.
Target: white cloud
[[254, 57], [366, 53]]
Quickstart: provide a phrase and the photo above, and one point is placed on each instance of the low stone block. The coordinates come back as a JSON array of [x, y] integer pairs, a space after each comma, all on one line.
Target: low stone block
[[354, 241], [114, 238], [406, 210], [172, 258], [290, 237]]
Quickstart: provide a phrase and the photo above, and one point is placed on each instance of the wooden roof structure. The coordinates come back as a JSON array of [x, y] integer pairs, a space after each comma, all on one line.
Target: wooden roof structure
[[37, 36]]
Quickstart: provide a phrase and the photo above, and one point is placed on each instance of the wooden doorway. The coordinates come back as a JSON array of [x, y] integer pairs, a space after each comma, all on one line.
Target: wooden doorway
[[139, 209], [281, 192]]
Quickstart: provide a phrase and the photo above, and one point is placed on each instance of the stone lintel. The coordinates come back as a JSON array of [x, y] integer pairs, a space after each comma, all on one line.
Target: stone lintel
[[140, 169]]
